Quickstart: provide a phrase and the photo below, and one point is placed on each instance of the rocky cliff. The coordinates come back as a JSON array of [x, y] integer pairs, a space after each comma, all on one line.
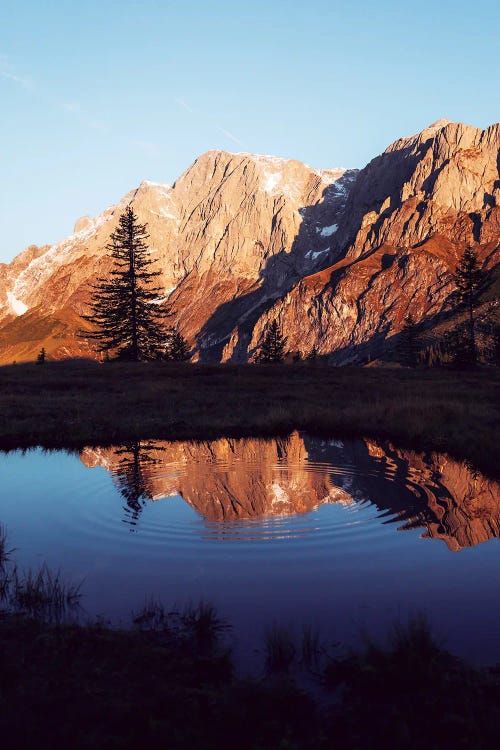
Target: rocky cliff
[[230, 480], [223, 480], [339, 257], [411, 213]]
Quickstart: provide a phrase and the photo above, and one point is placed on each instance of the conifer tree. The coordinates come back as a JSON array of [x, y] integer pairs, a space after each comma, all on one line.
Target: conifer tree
[[132, 476], [273, 345], [408, 333], [124, 309], [40, 360], [457, 346], [176, 346], [469, 281], [313, 355]]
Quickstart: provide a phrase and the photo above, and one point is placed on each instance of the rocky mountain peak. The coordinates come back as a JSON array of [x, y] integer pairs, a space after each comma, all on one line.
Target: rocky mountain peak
[[339, 256], [438, 125]]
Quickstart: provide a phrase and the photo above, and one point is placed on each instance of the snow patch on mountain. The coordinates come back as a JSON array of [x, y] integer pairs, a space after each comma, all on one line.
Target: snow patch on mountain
[[330, 176], [315, 254], [44, 265], [16, 305], [161, 185], [271, 181], [165, 214], [328, 231]]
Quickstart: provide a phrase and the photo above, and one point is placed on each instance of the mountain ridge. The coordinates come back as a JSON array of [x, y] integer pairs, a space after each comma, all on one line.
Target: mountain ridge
[[244, 238]]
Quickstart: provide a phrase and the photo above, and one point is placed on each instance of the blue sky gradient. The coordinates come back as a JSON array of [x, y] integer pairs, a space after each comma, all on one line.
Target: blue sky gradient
[[97, 96]]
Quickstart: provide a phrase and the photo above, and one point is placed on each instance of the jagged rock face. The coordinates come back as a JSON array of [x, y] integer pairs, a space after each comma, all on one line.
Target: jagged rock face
[[228, 480], [453, 502], [339, 257], [445, 180], [411, 213], [223, 480], [231, 226]]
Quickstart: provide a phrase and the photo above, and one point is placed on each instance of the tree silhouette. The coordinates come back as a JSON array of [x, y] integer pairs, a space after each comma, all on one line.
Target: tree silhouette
[[273, 345], [469, 281], [131, 476], [409, 344], [176, 347], [125, 308], [312, 356]]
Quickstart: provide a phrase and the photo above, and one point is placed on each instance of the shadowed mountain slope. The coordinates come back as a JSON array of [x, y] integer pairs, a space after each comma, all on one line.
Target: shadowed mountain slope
[[340, 257]]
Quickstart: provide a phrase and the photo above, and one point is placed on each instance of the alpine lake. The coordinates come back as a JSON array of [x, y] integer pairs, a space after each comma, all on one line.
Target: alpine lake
[[345, 536]]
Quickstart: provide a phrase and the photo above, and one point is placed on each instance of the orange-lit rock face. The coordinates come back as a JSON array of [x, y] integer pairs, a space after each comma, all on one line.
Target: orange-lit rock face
[[447, 498], [410, 215], [225, 479], [229, 480], [463, 506], [227, 228], [341, 258]]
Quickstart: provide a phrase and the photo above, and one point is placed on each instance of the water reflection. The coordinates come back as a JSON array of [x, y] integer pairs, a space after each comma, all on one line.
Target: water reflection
[[231, 483], [132, 477]]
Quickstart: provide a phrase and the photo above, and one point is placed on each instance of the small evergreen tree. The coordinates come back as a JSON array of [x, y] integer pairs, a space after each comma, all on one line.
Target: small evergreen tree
[[409, 342], [488, 334], [312, 356], [125, 312], [40, 360], [469, 281], [273, 345], [176, 346], [493, 346], [457, 345]]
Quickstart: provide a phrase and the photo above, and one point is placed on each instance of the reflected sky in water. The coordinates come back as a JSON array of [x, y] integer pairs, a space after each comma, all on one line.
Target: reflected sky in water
[[343, 534]]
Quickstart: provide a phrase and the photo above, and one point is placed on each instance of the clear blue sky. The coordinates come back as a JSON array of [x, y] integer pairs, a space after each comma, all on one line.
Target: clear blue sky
[[97, 96]]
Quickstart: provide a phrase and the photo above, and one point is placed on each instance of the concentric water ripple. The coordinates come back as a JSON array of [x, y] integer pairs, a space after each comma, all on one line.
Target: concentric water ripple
[[266, 529]]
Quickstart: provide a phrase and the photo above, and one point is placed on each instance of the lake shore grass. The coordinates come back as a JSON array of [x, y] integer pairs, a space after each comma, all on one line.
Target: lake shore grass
[[91, 687], [70, 404]]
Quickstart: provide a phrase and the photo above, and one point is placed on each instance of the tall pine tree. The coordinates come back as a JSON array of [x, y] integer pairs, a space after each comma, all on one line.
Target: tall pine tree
[[469, 281], [124, 310], [273, 345]]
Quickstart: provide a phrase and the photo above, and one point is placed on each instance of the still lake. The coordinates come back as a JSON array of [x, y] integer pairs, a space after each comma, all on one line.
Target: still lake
[[343, 535]]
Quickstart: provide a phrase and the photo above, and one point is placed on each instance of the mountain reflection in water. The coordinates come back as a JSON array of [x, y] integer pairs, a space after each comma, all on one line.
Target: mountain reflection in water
[[239, 480]]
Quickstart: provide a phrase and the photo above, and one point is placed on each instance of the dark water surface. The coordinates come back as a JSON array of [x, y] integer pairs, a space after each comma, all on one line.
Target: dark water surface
[[340, 534]]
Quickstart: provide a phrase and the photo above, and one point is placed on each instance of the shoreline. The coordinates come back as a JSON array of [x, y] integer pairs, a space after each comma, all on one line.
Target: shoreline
[[72, 404], [175, 685]]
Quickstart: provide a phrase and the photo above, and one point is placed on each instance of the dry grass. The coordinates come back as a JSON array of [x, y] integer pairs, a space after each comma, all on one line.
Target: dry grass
[[76, 403]]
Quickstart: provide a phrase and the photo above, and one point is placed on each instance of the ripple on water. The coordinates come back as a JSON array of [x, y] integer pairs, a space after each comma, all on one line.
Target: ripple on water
[[261, 523]]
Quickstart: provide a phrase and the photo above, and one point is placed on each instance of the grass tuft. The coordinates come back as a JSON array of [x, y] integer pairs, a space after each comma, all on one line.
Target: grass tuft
[[311, 647], [44, 596], [279, 649], [4, 552], [152, 616], [203, 626]]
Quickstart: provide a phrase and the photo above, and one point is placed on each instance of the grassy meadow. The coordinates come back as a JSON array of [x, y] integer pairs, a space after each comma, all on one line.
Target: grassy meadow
[[80, 402]]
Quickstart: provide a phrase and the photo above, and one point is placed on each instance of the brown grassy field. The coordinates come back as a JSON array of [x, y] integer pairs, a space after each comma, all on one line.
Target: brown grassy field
[[76, 403]]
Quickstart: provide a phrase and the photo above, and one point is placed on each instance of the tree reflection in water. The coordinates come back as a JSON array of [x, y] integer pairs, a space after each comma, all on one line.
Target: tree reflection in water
[[132, 476], [241, 480]]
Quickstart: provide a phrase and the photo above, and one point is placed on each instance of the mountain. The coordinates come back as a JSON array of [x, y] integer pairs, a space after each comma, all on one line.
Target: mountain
[[223, 480], [339, 256], [229, 480], [409, 216]]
